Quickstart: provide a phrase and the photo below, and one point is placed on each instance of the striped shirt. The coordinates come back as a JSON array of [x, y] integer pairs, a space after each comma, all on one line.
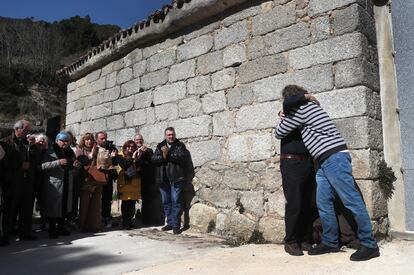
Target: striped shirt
[[320, 135]]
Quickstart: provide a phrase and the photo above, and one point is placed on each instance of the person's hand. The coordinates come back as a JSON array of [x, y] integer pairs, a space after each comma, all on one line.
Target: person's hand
[[25, 165], [143, 148], [94, 149], [31, 139], [282, 115], [312, 98], [165, 150], [63, 162], [137, 154], [113, 154], [77, 164]]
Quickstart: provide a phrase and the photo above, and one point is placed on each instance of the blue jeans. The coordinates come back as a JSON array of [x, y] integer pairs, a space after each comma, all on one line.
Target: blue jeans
[[335, 176], [171, 195]]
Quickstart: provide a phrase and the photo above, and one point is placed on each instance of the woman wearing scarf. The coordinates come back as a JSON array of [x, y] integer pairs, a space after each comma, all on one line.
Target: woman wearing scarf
[[58, 165], [90, 191], [129, 181]]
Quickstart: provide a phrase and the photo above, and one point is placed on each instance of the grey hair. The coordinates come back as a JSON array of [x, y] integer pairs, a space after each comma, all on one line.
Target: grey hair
[[20, 124], [41, 136]]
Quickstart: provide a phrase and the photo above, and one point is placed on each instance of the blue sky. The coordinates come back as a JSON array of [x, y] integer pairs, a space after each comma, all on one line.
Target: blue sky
[[123, 13]]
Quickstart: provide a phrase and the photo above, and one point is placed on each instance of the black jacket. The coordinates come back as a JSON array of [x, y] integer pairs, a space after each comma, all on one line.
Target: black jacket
[[21, 152], [293, 143], [172, 169]]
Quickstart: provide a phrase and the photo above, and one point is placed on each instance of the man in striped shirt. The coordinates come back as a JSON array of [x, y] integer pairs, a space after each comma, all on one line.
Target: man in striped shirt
[[334, 175]]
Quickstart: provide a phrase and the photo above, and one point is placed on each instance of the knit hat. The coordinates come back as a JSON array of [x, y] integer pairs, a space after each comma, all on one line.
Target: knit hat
[[63, 136]]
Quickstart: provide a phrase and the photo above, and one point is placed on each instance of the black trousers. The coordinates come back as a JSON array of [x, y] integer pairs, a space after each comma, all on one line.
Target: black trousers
[[18, 205], [298, 180], [10, 199], [107, 190], [188, 195], [75, 197], [152, 209], [127, 211]]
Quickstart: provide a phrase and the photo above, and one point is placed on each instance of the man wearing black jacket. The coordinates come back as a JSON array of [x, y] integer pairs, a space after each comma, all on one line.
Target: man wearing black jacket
[[19, 190], [170, 159]]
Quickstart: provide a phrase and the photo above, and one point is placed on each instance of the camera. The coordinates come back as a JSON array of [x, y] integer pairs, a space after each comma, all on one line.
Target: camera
[[110, 145]]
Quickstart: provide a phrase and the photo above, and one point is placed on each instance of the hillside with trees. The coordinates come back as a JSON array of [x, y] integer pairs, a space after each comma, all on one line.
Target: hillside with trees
[[30, 54]]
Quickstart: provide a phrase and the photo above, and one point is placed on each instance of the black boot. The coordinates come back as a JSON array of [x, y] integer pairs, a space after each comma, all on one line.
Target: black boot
[[322, 249], [186, 220], [293, 249], [166, 228], [365, 253]]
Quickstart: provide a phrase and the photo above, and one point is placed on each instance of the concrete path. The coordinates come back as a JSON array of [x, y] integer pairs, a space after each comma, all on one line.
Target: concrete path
[[113, 252], [149, 251]]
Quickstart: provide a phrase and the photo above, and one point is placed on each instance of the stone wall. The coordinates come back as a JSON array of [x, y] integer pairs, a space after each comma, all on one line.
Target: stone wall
[[219, 84]]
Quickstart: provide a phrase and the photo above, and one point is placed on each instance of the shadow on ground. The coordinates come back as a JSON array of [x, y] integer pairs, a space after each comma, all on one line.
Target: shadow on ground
[[58, 256], [114, 251]]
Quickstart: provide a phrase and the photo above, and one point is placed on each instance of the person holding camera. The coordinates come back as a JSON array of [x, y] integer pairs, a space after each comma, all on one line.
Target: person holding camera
[[19, 190], [58, 165], [105, 154], [151, 209]]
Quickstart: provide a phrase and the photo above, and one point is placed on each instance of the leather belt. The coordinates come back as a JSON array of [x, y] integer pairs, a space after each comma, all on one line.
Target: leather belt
[[295, 157]]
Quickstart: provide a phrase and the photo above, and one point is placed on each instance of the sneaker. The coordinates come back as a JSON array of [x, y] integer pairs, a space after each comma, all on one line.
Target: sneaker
[[322, 249], [365, 253], [166, 228], [176, 230], [293, 249]]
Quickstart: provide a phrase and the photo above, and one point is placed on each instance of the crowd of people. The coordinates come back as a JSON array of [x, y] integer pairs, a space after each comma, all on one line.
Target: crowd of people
[[73, 184], [324, 206]]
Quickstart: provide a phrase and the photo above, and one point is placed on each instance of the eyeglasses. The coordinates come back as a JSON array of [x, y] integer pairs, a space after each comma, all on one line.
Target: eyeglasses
[[130, 146]]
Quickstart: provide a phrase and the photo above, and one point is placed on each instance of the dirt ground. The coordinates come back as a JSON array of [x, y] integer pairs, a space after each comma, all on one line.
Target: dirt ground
[[397, 257], [151, 251]]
